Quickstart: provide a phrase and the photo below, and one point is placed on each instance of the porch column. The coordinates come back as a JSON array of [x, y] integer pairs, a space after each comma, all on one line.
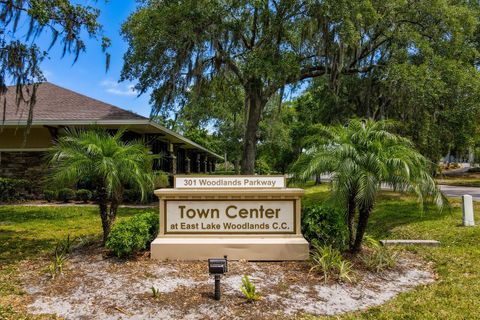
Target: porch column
[[197, 164], [172, 159], [205, 164], [210, 166], [187, 163]]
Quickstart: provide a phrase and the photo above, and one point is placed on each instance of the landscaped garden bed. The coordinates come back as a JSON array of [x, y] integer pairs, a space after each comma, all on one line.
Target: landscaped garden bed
[[95, 285], [28, 236]]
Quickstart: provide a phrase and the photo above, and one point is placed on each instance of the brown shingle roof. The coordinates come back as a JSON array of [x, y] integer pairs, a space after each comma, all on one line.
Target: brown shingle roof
[[57, 103]]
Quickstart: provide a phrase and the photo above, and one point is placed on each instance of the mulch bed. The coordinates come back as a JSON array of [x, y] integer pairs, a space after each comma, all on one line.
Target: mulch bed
[[95, 285]]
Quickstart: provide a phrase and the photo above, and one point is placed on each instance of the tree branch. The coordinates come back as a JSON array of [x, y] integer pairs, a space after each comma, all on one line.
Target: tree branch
[[229, 62]]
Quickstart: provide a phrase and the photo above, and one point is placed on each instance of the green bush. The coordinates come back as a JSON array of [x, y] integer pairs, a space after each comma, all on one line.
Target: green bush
[[131, 196], [160, 180], [262, 167], [84, 195], [225, 173], [133, 235], [66, 194], [14, 189], [49, 195], [135, 196], [325, 224]]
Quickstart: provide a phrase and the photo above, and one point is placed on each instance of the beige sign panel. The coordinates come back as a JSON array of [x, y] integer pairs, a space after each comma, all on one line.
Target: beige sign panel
[[222, 182], [229, 216]]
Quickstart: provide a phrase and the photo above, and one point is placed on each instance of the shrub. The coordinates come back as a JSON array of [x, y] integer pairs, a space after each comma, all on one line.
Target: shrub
[[84, 195], [474, 170], [13, 189], [262, 167], [66, 194], [378, 258], [49, 195], [330, 263], [133, 235], [249, 290], [326, 225], [134, 196], [160, 180], [131, 196]]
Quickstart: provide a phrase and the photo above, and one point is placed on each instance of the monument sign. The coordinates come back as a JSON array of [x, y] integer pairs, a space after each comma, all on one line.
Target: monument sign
[[242, 217]]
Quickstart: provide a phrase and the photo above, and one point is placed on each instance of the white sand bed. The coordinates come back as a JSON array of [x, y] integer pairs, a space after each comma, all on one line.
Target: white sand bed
[[95, 287]]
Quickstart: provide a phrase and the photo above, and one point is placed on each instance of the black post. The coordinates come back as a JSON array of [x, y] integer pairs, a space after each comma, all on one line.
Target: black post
[[217, 287]]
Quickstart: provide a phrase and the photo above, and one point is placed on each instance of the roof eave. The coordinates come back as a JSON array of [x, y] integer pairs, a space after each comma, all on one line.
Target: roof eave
[[180, 137], [111, 122]]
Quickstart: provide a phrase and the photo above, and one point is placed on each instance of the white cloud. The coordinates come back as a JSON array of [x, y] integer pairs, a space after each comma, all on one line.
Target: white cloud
[[47, 74], [116, 88]]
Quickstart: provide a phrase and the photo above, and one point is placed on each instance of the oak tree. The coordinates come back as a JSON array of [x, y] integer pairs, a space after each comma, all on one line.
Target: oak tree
[[177, 48]]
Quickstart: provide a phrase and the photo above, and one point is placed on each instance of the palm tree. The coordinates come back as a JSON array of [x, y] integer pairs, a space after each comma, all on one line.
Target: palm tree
[[107, 161], [362, 156]]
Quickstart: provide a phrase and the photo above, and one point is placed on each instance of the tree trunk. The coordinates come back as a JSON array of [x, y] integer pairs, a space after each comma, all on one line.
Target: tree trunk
[[351, 221], [102, 204], [256, 102], [318, 180], [112, 214], [364, 214]]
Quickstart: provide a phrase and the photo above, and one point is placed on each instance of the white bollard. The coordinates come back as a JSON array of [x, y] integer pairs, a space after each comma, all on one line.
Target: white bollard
[[467, 208]]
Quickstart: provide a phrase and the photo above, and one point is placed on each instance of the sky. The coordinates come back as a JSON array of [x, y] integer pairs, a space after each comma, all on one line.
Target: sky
[[87, 76]]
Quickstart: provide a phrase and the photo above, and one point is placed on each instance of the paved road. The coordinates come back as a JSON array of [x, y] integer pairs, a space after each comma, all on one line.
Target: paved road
[[449, 191], [457, 191]]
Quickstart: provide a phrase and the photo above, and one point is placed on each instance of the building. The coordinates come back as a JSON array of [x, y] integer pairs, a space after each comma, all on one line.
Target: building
[[57, 109]]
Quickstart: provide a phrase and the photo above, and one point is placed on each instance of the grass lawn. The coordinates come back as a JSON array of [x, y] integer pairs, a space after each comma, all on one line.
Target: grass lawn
[[30, 232], [464, 180]]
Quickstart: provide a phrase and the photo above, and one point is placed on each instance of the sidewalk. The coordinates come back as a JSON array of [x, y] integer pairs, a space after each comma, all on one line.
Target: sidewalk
[[73, 204]]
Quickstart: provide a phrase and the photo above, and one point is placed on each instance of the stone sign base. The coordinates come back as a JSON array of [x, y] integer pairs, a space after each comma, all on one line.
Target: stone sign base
[[251, 224], [264, 249]]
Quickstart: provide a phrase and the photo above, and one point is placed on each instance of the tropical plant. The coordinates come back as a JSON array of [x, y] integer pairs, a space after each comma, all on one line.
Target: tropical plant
[[249, 290], [60, 257], [56, 265], [329, 262], [107, 161], [65, 245], [380, 259], [362, 156], [155, 292]]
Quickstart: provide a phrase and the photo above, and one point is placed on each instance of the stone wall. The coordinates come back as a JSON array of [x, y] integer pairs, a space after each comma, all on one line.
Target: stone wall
[[22, 165]]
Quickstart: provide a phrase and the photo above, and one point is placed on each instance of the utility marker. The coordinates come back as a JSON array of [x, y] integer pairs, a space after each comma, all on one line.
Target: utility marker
[[467, 208]]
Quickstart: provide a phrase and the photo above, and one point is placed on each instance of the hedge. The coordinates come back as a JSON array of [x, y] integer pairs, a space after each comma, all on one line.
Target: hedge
[[14, 189], [132, 235], [326, 225]]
